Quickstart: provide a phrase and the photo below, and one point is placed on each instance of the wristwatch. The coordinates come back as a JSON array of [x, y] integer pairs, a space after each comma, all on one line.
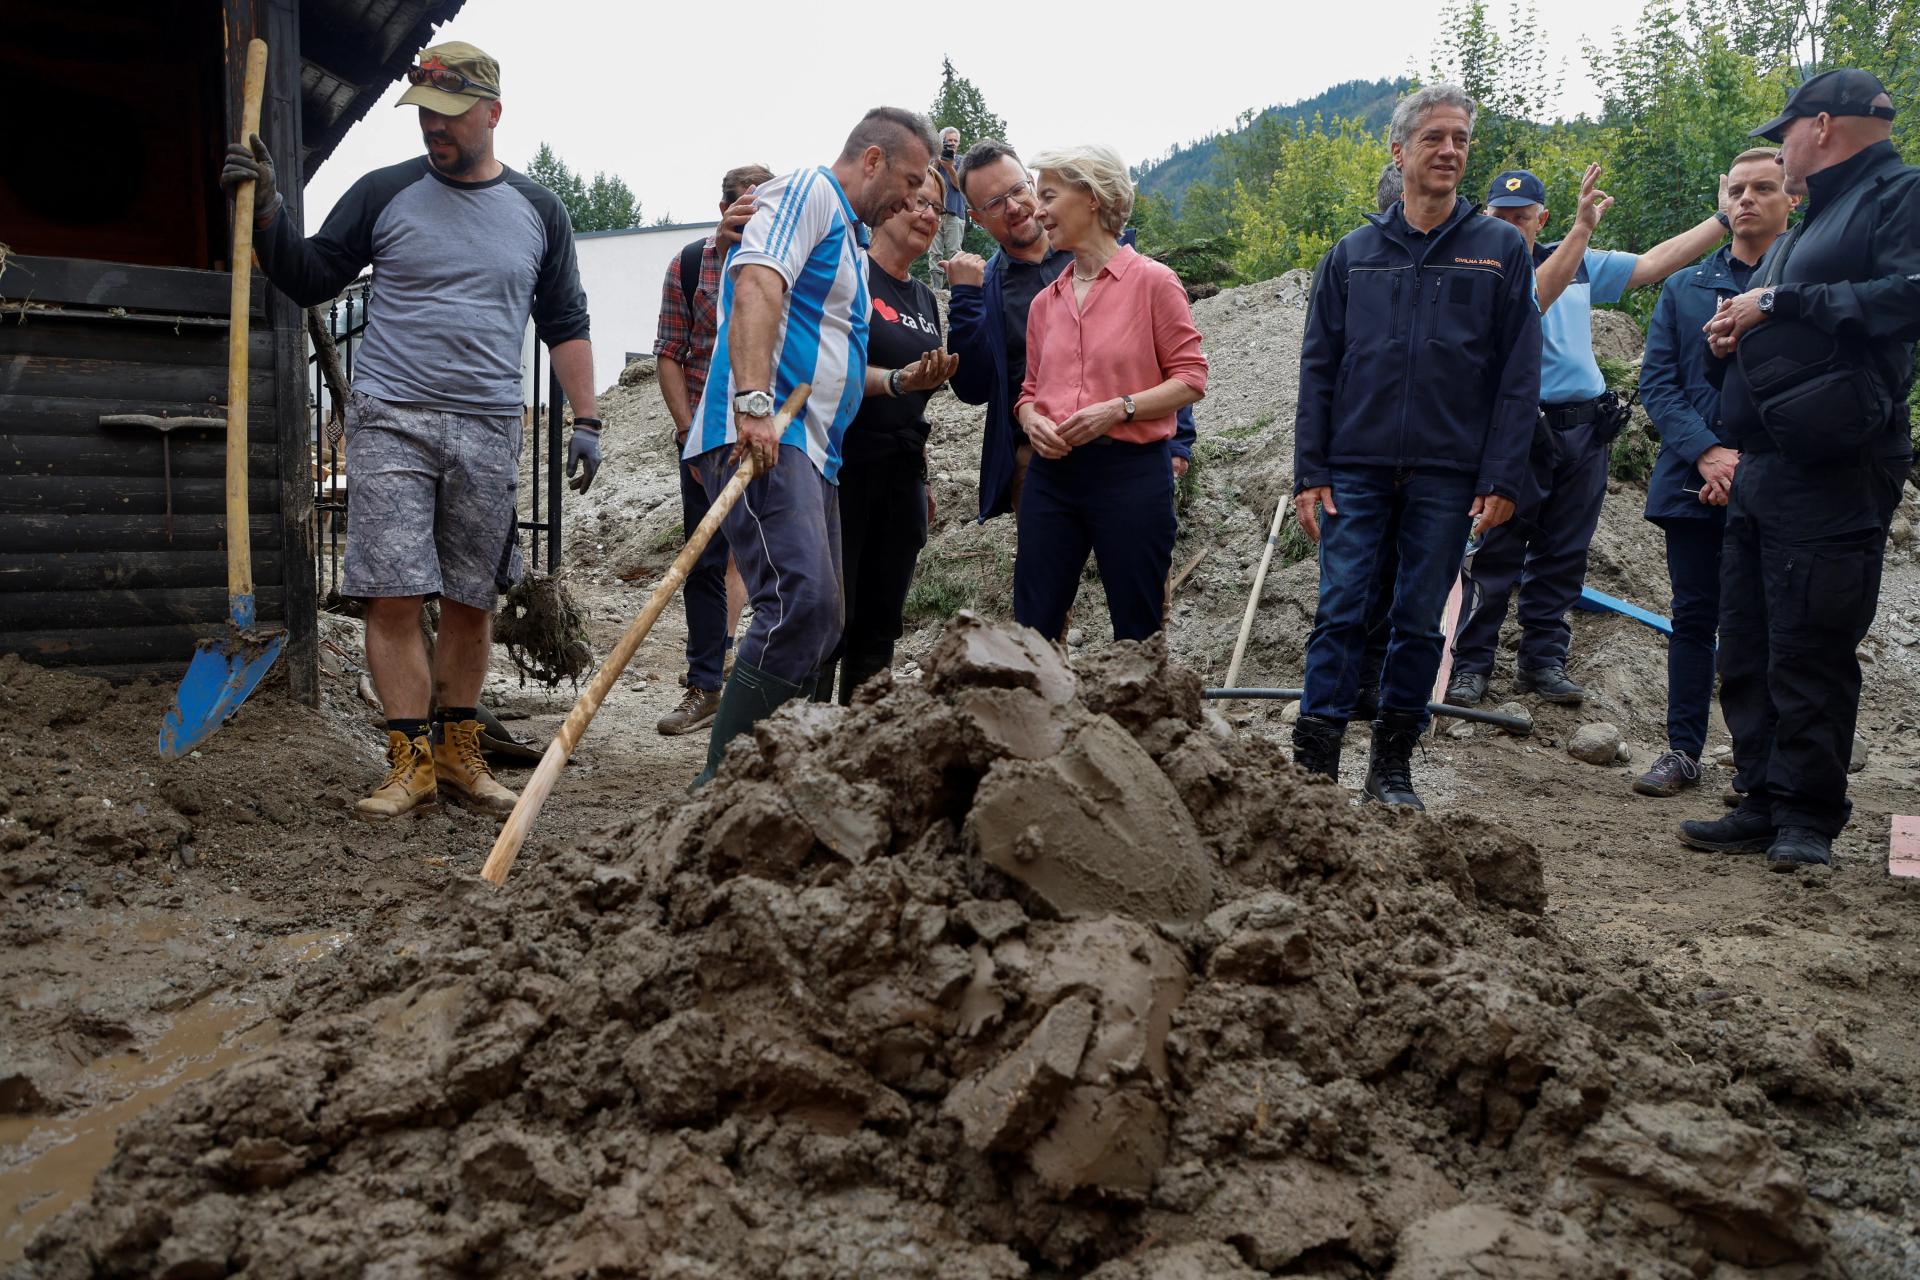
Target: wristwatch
[[1127, 403], [1720, 216], [1766, 302], [753, 404]]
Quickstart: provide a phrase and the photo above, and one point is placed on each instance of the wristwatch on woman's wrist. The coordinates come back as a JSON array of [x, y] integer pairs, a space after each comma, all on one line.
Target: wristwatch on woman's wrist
[[1126, 402], [893, 383]]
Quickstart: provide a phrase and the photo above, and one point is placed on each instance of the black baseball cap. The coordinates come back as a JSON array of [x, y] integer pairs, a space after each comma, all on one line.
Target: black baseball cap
[[1515, 188], [1847, 91]]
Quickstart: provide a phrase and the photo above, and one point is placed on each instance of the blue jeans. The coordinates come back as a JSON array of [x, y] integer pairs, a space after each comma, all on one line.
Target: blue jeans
[[1431, 509], [1693, 566], [705, 594]]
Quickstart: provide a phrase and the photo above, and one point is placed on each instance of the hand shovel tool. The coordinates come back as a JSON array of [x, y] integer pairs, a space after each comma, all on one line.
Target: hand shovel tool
[[520, 822], [226, 668]]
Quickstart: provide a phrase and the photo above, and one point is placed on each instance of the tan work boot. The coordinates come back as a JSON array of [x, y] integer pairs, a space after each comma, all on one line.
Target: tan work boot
[[694, 712], [409, 784], [464, 773]]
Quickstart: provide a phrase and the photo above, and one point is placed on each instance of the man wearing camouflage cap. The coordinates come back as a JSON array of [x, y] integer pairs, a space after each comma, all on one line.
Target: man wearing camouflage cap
[[1817, 364], [464, 250]]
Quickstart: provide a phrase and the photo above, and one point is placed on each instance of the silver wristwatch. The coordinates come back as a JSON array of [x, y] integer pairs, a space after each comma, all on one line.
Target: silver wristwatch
[[753, 404], [1766, 303]]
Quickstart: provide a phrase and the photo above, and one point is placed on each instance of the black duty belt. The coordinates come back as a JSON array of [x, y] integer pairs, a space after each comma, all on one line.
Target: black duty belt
[[1578, 414]]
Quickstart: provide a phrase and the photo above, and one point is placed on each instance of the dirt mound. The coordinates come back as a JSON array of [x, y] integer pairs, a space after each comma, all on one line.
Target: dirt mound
[[890, 998]]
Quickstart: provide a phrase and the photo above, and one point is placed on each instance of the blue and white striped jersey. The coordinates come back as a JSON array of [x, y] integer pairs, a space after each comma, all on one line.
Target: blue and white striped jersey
[[803, 228]]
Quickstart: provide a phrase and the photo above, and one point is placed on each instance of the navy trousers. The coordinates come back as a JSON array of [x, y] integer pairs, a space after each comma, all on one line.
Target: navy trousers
[[1800, 580], [1115, 500], [1428, 512], [1693, 566], [883, 526], [785, 536], [705, 594], [1544, 549]]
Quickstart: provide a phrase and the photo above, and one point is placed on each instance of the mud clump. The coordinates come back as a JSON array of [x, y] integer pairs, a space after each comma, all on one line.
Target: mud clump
[[1011, 972]]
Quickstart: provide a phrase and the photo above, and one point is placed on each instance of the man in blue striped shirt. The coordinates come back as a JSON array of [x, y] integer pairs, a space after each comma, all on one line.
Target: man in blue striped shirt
[[793, 309]]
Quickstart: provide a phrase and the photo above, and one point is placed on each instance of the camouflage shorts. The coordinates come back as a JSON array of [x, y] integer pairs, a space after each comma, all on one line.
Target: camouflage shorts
[[432, 502]]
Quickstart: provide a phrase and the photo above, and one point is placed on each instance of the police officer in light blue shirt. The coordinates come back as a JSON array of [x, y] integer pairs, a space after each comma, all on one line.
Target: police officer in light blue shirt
[[1544, 547]]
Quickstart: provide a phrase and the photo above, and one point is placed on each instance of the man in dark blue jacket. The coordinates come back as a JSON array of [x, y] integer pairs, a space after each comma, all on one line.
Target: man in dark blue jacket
[[1818, 366], [987, 316], [1686, 495], [1419, 379]]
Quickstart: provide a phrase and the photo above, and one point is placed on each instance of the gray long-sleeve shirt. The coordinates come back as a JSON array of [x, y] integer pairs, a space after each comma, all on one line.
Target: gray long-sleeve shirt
[[457, 270]]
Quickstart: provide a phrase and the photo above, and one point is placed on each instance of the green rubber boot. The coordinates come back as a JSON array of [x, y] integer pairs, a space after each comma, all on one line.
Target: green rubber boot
[[750, 695]]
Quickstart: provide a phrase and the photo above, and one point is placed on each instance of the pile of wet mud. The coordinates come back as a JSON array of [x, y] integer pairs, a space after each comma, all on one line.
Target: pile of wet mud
[[1015, 971]]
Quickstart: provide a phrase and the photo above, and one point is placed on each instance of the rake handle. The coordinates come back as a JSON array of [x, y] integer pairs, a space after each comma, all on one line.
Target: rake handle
[[519, 823]]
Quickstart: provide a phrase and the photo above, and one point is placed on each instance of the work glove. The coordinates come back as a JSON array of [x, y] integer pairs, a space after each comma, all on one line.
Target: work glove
[[583, 450], [252, 164]]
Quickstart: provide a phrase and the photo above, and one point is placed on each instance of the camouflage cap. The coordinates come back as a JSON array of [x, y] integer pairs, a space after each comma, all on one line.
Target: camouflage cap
[[467, 75]]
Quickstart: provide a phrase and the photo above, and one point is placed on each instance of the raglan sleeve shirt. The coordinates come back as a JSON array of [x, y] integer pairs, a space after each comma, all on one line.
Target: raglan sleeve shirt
[[313, 271], [1321, 351], [559, 301]]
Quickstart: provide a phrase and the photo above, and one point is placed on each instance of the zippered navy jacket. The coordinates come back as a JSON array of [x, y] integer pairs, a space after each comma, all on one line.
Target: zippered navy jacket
[[977, 333], [1421, 352], [1675, 385]]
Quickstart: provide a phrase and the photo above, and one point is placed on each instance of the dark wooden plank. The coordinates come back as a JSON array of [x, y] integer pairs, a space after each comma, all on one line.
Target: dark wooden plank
[[169, 648], [86, 283], [45, 532], [142, 344], [128, 570], [120, 380], [133, 451], [123, 495], [300, 604], [166, 606], [80, 415]]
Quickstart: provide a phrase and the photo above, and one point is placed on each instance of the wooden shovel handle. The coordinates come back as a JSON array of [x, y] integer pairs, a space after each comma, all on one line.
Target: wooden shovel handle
[[519, 823], [239, 554]]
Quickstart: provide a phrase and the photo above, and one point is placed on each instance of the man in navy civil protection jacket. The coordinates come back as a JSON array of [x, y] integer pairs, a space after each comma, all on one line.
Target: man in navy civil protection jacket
[[1817, 358], [987, 317], [1419, 384], [1686, 495]]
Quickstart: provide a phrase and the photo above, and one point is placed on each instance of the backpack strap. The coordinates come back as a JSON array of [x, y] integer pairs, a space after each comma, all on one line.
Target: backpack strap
[[690, 271]]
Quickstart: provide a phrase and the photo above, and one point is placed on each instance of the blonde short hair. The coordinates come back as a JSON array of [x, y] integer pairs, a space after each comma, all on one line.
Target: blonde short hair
[[1769, 154], [1096, 169]]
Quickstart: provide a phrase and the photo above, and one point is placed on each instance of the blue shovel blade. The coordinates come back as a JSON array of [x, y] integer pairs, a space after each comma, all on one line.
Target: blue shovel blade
[[224, 672]]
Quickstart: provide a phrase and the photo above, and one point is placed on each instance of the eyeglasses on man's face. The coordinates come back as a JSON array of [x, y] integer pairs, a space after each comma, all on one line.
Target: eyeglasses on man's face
[[998, 205]]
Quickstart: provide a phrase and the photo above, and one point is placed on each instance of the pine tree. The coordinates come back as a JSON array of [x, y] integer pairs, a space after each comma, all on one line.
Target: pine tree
[[607, 205], [960, 105]]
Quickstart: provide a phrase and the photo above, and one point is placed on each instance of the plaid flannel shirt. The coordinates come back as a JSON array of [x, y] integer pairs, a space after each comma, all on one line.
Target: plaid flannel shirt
[[686, 336]]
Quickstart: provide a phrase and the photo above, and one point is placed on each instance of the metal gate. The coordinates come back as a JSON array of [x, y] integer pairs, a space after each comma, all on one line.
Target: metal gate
[[340, 329]]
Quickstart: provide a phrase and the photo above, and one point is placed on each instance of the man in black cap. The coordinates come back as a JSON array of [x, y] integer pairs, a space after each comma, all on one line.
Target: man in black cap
[[1817, 362]]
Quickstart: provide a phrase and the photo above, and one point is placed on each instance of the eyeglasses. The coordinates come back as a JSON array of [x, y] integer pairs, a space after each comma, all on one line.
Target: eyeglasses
[[922, 205], [442, 78], [998, 205]]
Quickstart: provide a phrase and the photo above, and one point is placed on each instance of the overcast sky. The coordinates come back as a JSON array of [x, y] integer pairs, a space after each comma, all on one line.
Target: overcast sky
[[670, 96]]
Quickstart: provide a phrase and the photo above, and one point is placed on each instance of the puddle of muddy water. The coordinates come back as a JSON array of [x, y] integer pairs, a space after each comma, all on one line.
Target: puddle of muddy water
[[48, 1163]]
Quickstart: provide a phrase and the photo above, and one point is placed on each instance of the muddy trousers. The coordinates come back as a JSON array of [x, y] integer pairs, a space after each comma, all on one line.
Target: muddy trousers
[[1800, 580], [1693, 568], [1544, 550], [705, 594], [883, 526]]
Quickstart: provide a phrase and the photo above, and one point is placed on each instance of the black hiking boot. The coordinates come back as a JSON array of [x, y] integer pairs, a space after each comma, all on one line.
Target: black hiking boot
[[1797, 847], [1742, 831], [1390, 763], [1551, 683], [751, 695], [1316, 745], [1466, 689]]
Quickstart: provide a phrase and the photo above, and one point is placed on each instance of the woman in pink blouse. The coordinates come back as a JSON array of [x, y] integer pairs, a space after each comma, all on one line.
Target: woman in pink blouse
[[1112, 355]]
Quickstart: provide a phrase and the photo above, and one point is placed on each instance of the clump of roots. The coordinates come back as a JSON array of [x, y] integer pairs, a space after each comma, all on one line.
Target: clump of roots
[[544, 631]]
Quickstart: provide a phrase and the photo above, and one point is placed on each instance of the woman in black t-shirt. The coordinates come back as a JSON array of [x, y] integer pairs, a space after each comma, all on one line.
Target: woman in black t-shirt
[[883, 472]]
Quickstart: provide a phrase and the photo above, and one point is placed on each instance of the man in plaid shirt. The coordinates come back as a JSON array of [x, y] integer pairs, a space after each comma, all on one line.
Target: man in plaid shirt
[[683, 345]]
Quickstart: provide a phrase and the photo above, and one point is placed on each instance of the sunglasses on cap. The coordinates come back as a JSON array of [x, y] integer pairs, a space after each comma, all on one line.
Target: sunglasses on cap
[[441, 78]]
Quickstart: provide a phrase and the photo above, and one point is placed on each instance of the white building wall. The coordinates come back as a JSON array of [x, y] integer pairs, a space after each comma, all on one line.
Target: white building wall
[[622, 272]]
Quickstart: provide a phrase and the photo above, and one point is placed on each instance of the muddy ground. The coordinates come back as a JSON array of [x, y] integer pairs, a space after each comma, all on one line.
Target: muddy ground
[[167, 923]]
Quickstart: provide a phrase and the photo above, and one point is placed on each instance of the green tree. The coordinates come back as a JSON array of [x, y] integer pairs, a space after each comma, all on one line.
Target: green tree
[[960, 105], [1792, 39], [1321, 187], [607, 204], [1511, 79]]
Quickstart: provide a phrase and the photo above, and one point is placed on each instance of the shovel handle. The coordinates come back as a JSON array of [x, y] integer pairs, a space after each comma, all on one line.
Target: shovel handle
[[1253, 597], [240, 606], [519, 823]]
